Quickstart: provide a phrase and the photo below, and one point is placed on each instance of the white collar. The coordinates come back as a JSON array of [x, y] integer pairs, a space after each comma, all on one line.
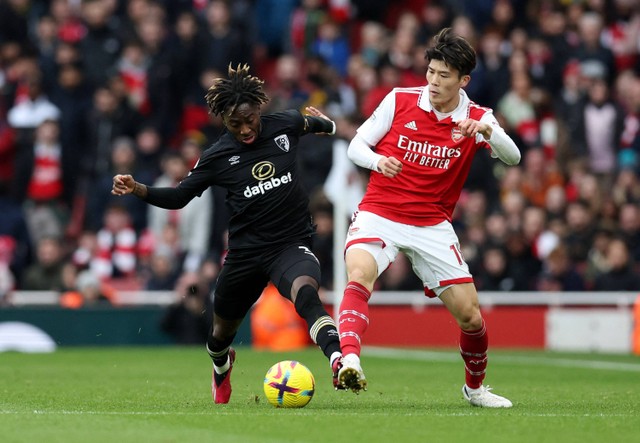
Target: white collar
[[460, 113]]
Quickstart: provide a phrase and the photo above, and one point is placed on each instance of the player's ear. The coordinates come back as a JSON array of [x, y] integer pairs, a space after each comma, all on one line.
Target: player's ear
[[464, 81]]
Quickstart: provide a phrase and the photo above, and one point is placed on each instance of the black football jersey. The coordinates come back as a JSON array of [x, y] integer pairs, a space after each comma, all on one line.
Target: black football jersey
[[267, 202]]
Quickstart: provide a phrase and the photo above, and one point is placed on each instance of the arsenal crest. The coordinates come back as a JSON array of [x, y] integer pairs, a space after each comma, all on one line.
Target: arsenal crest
[[456, 134], [283, 142]]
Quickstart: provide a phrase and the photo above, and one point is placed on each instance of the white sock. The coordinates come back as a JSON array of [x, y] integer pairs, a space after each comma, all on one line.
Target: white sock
[[333, 357], [224, 368]]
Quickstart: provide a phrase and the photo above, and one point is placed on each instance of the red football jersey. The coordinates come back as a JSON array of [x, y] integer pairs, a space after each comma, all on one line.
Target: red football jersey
[[435, 156]]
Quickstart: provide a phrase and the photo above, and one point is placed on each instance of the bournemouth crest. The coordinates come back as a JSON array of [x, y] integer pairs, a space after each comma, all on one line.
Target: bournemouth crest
[[283, 142]]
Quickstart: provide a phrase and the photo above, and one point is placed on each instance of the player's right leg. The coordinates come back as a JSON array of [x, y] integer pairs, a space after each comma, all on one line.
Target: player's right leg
[[223, 357], [354, 316], [369, 249], [239, 286]]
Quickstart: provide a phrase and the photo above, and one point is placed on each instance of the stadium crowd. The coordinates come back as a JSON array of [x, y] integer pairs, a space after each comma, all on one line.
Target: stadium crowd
[[94, 88]]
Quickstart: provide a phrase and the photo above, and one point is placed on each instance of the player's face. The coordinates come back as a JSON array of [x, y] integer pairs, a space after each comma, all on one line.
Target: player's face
[[244, 123], [444, 84]]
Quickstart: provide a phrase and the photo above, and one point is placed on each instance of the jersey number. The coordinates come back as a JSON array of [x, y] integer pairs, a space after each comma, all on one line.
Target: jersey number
[[457, 252]]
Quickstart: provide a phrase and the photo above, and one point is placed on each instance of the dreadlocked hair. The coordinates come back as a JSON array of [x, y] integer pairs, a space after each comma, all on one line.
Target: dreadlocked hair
[[225, 95]]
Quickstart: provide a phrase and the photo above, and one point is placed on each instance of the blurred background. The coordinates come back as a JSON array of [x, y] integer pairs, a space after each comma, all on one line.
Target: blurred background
[[93, 88]]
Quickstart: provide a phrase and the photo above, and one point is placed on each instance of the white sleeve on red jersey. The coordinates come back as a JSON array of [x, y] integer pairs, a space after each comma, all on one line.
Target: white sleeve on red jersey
[[379, 123], [361, 154], [502, 146], [370, 133]]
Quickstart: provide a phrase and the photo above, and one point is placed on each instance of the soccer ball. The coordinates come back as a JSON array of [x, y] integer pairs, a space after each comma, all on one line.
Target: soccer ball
[[289, 384]]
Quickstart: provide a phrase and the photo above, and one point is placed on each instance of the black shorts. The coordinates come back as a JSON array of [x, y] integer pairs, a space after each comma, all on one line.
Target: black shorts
[[245, 275]]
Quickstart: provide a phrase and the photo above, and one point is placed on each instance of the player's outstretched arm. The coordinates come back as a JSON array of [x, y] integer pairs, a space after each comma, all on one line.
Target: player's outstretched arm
[[125, 184], [318, 123]]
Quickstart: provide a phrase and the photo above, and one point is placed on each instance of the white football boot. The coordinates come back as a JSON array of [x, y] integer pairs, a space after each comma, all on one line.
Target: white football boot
[[483, 398], [350, 374]]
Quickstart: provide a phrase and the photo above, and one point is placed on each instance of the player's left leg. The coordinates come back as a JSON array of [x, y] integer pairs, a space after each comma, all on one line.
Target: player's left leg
[[436, 258], [462, 301], [296, 273]]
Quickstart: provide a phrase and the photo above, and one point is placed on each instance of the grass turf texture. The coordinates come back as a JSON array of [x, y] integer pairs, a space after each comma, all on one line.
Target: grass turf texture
[[163, 395]]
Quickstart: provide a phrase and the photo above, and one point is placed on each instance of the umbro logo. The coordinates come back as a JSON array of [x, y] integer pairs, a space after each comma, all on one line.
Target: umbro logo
[[234, 160], [412, 125]]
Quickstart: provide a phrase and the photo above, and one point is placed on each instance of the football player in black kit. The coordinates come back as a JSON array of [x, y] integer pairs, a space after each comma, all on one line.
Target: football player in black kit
[[270, 228]]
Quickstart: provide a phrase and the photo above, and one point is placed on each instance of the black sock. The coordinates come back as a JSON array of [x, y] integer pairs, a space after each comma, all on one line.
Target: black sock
[[322, 328], [218, 350]]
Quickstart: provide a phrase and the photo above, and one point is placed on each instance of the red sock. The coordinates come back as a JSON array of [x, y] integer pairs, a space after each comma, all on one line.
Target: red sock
[[473, 348], [354, 317]]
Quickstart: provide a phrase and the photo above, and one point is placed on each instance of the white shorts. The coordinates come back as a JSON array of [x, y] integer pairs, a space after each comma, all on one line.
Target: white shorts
[[434, 251]]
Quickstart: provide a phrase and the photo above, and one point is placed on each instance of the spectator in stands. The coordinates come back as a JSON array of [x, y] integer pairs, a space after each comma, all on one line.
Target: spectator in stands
[[109, 118], [597, 258], [374, 43], [621, 275], [287, 88], [626, 188], [602, 120], [305, 21], [494, 274], [150, 148], [568, 108], [558, 273], [225, 42], [87, 291], [123, 161], [133, 65], [517, 106], [32, 108], [496, 71], [595, 59], [46, 273], [188, 46], [188, 319], [43, 171], [100, 44], [162, 87], [523, 263], [164, 269], [15, 241], [331, 45], [539, 175], [581, 228], [116, 245], [628, 228], [193, 221]]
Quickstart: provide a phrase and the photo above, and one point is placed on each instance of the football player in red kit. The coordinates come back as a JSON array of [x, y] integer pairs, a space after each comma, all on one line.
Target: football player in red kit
[[419, 144]]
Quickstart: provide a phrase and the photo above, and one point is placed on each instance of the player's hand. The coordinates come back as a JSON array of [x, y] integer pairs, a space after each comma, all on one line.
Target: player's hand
[[470, 128], [315, 112], [123, 184], [389, 166]]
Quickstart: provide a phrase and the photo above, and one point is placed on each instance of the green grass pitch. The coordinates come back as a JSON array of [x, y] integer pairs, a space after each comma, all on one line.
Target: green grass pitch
[[162, 394]]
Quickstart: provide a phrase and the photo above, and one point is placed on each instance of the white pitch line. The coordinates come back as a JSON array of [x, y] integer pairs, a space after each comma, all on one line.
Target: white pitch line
[[521, 360], [297, 412]]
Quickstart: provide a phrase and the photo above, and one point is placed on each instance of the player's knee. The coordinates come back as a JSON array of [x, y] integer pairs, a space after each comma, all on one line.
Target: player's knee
[[363, 276], [470, 320]]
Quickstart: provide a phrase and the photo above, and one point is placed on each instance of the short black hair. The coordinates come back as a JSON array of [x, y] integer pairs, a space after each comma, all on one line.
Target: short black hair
[[226, 94], [453, 50]]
